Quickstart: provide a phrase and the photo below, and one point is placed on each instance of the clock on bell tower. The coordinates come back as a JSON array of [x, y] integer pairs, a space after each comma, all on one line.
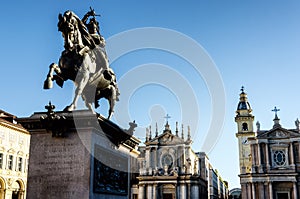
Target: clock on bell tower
[[244, 120]]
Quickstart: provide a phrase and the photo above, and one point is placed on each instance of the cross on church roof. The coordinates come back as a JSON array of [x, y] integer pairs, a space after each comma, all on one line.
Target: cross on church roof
[[276, 110], [167, 117]]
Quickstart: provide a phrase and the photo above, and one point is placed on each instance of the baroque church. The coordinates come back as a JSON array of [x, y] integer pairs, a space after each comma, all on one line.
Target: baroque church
[[169, 168], [269, 159]]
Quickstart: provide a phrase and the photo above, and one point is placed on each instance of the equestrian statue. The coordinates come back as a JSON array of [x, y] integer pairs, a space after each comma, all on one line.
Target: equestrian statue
[[84, 61]]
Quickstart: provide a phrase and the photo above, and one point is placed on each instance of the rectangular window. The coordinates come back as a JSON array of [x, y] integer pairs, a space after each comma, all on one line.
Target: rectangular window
[[10, 162], [26, 165], [1, 160], [20, 163]]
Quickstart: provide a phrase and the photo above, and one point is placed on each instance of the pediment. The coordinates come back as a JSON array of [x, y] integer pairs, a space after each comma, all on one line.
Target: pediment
[[167, 138], [279, 133]]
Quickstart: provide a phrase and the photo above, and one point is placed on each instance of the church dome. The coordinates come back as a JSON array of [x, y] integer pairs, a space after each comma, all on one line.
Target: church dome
[[243, 104]]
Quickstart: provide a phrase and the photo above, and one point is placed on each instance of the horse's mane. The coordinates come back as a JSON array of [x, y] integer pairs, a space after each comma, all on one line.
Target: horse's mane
[[87, 39]]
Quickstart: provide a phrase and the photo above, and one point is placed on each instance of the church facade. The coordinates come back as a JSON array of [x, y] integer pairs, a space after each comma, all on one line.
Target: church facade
[[169, 168], [269, 159]]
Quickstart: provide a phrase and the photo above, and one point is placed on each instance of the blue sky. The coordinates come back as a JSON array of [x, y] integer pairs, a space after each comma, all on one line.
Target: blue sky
[[252, 43]]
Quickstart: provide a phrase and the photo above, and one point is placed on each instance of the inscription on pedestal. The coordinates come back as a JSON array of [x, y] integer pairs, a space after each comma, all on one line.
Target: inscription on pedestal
[[59, 166], [61, 157]]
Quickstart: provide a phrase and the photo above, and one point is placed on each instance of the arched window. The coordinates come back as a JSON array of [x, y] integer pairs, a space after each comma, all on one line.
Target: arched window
[[245, 127]]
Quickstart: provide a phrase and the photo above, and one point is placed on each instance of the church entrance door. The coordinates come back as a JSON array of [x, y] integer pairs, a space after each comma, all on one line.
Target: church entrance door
[[282, 196], [167, 196]]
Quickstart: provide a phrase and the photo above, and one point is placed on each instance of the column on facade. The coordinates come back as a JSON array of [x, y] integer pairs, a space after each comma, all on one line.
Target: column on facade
[[195, 191], [270, 190], [299, 152], [267, 156], [258, 154], [295, 190], [183, 159], [253, 189], [253, 157], [249, 191], [147, 157], [141, 191], [259, 158], [266, 192], [182, 191], [244, 191], [178, 191], [154, 158], [292, 154], [149, 191], [261, 190], [188, 190], [296, 153], [154, 188]]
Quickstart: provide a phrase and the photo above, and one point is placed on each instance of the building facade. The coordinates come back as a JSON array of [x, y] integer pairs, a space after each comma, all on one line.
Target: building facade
[[14, 155], [269, 159], [169, 168]]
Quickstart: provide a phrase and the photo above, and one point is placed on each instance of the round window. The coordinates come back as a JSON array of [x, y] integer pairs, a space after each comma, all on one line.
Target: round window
[[279, 158], [167, 160]]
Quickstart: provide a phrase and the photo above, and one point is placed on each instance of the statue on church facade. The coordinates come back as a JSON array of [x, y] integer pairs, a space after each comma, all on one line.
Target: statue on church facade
[[84, 61]]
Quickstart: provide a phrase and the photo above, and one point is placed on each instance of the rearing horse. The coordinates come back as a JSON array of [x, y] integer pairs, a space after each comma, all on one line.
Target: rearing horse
[[85, 63]]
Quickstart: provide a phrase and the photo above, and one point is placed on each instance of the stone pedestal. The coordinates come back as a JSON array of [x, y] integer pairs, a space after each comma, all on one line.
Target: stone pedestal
[[78, 155]]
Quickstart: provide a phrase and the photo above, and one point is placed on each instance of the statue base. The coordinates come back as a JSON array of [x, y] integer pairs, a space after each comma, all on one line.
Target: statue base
[[78, 155]]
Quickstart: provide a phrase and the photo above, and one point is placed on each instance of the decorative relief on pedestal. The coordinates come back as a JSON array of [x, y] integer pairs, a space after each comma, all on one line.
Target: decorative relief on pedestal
[[109, 176]]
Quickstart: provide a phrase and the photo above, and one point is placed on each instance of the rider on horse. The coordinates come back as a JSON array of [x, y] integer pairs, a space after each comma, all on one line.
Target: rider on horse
[[94, 30], [84, 61]]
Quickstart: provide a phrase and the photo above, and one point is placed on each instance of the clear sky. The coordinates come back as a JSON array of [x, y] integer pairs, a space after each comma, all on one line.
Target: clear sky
[[252, 43]]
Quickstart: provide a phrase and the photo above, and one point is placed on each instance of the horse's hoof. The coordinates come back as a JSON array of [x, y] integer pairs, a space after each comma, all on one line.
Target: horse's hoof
[[48, 83], [70, 108], [109, 116]]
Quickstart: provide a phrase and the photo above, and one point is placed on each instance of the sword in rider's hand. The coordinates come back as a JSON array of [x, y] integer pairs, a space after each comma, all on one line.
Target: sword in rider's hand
[[94, 15], [93, 12]]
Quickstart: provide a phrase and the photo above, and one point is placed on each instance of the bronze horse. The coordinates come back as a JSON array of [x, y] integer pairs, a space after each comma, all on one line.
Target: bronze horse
[[83, 61]]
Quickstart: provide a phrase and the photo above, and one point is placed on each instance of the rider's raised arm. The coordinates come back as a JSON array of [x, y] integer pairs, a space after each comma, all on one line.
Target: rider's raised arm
[[85, 17]]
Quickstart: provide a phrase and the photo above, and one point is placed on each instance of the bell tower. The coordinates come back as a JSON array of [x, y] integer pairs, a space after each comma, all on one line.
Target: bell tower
[[244, 120]]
